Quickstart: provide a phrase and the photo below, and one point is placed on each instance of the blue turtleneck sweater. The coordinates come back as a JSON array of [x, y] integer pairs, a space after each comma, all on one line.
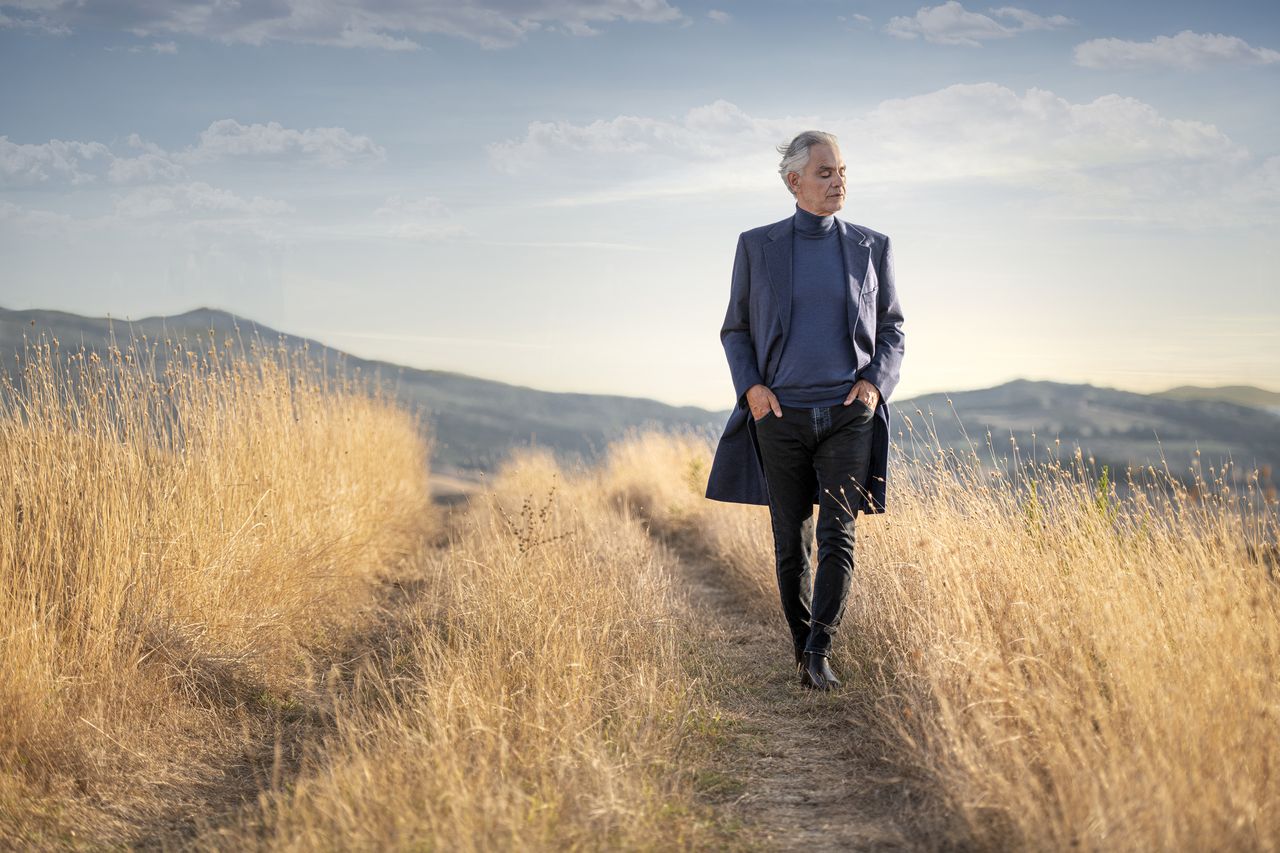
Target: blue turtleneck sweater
[[817, 366]]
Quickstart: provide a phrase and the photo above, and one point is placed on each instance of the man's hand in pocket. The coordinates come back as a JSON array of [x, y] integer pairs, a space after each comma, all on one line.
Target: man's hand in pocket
[[761, 401], [864, 393]]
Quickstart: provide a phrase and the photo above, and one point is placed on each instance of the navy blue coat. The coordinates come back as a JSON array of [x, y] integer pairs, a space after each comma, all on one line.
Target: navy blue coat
[[755, 329]]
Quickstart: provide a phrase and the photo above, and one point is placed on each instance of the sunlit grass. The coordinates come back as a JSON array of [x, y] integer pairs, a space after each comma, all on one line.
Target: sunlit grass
[[190, 545], [541, 700], [1069, 663], [191, 538], [179, 521]]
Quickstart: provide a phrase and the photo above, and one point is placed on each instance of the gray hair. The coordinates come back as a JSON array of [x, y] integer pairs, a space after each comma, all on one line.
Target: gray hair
[[795, 154]]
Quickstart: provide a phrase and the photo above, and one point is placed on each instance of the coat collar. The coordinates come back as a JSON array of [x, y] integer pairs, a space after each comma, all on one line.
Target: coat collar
[[854, 243]]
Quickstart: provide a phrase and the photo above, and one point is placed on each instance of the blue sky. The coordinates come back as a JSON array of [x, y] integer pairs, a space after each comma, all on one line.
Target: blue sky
[[548, 192]]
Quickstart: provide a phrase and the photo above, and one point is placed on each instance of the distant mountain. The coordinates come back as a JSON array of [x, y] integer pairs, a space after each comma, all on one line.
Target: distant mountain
[[474, 422], [477, 421], [1244, 395], [1115, 427]]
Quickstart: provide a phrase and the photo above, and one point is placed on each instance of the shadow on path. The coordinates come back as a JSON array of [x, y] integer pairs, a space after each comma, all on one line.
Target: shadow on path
[[284, 731]]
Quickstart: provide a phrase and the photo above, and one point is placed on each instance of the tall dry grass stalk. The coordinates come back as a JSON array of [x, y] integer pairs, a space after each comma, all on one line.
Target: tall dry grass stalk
[[662, 477], [178, 521], [538, 698], [1069, 664]]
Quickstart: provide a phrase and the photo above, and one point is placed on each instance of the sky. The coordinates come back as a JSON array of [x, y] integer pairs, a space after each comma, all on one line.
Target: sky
[[549, 192]]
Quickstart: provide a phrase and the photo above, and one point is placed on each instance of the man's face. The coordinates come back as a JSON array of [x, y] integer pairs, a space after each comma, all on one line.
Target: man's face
[[820, 187]]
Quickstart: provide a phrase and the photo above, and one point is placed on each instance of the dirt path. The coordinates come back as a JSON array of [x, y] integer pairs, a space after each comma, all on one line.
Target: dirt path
[[791, 764], [795, 768]]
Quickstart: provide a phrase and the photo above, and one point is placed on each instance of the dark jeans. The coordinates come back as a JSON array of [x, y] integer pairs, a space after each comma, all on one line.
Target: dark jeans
[[829, 446]]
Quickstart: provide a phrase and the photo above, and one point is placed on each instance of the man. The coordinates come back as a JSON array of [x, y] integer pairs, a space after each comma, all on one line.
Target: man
[[813, 335]]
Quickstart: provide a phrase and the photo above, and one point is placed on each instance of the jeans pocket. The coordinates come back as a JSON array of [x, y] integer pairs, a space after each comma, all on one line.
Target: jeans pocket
[[862, 413]]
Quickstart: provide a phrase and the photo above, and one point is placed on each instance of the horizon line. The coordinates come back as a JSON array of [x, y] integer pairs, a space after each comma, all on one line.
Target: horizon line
[[260, 325]]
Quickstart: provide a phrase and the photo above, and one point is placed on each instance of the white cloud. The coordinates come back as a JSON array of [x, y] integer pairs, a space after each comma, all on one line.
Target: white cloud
[[153, 165], [144, 169], [155, 47], [23, 164], [951, 23], [70, 162], [719, 16], [1112, 158], [390, 25], [196, 199], [1030, 20], [1184, 50], [580, 28], [330, 146], [30, 20], [40, 222], [989, 131], [427, 232], [180, 195], [622, 144], [425, 219], [426, 206]]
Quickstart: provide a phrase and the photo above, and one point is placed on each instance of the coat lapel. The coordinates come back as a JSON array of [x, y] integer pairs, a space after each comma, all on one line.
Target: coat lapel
[[777, 255], [857, 259], [856, 247]]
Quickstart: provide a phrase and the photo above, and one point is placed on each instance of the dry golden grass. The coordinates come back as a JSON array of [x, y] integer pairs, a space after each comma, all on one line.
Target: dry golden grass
[[240, 553], [172, 545], [1068, 667], [538, 699], [242, 544]]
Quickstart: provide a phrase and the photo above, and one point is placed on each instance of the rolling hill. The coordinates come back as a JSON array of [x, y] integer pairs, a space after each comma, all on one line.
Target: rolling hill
[[477, 421], [1244, 395], [1115, 427], [474, 421]]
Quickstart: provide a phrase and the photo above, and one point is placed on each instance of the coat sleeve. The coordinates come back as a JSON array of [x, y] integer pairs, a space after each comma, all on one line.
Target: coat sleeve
[[887, 358], [735, 334]]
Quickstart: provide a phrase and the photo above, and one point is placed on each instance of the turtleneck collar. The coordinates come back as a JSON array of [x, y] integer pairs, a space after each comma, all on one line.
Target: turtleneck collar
[[811, 225]]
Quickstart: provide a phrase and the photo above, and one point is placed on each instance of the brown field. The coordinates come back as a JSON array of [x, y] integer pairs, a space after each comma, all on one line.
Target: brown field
[[233, 618]]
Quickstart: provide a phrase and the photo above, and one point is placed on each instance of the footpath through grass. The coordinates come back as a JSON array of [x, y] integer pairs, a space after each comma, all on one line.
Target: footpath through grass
[[231, 620], [540, 697], [1055, 665]]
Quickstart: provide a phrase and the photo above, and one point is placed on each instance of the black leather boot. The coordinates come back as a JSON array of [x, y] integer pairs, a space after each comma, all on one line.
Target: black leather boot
[[816, 673]]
